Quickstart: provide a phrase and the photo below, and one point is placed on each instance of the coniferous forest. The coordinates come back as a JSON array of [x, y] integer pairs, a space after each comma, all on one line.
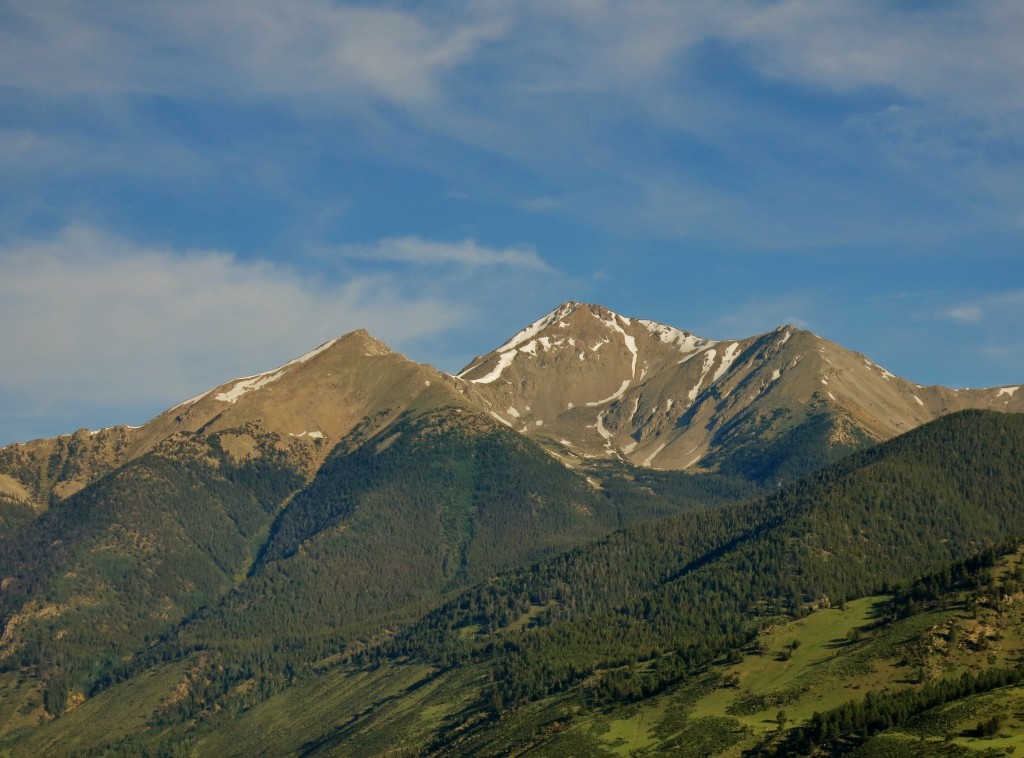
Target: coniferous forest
[[446, 587]]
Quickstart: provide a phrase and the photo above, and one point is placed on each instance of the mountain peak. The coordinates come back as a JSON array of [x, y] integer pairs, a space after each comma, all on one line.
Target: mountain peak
[[588, 382], [360, 338]]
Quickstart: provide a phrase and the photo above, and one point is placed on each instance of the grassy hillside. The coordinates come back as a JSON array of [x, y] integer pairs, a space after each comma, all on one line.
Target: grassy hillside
[[752, 701]]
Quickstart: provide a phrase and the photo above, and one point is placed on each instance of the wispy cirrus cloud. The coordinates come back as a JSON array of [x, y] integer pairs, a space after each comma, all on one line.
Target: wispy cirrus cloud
[[997, 308], [586, 98], [965, 314], [112, 330], [291, 48], [991, 323], [104, 322], [467, 252], [920, 51]]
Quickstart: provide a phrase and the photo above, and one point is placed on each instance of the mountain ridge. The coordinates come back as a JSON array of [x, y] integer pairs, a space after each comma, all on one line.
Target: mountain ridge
[[585, 382], [352, 511], [588, 382], [307, 404]]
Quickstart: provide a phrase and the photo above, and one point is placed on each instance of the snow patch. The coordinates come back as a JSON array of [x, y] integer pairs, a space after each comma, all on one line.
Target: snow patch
[[919, 401], [709, 361], [256, 381], [832, 396], [650, 458], [249, 384], [785, 338], [630, 447], [617, 396], [192, 401], [824, 382], [556, 316], [686, 342], [1007, 391], [631, 346], [504, 361], [499, 418], [512, 412], [539, 422], [730, 355], [776, 375], [311, 354]]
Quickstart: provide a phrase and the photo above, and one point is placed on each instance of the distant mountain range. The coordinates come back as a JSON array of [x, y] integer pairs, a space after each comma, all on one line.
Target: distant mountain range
[[356, 554], [583, 381]]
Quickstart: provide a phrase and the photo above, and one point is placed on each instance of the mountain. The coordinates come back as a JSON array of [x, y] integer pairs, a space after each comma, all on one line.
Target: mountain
[[305, 407], [683, 636], [586, 383], [346, 491], [589, 383], [357, 554], [538, 659]]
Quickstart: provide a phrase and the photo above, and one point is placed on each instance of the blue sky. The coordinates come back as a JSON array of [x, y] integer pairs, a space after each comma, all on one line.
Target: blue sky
[[193, 190]]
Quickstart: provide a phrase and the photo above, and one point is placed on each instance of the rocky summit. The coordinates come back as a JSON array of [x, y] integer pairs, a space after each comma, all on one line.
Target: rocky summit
[[588, 382]]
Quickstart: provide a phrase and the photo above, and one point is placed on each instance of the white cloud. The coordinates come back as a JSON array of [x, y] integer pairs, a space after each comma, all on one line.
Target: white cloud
[[995, 310], [997, 340], [964, 53], [966, 314], [967, 54], [468, 252], [94, 320], [542, 204], [268, 47]]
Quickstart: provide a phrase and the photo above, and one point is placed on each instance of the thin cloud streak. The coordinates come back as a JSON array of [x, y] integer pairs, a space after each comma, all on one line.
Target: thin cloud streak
[[103, 321], [470, 146], [468, 252], [189, 47]]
